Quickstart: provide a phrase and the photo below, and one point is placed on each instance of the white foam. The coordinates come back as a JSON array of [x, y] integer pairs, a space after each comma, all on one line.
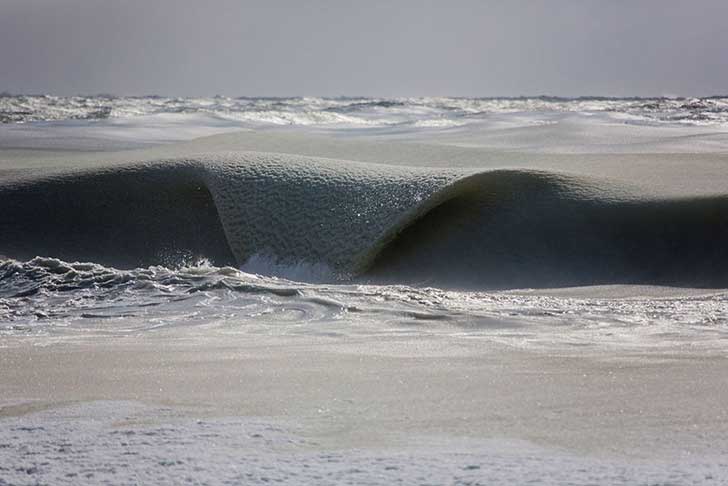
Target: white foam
[[348, 113], [120, 442], [301, 271]]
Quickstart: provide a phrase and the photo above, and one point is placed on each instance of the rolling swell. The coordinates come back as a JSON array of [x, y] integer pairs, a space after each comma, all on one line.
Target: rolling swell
[[472, 229], [126, 218], [528, 233]]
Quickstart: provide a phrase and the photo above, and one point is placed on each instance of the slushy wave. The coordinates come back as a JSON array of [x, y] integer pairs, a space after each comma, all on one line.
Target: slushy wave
[[347, 221]]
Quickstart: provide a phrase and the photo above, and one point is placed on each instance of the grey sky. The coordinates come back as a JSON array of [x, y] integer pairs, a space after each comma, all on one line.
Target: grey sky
[[375, 48]]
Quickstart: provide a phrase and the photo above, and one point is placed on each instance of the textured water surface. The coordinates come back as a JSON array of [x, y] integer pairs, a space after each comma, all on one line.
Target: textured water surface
[[49, 299], [431, 112], [128, 443]]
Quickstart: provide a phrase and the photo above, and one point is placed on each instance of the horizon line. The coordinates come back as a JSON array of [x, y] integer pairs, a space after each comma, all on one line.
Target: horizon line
[[9, 94]]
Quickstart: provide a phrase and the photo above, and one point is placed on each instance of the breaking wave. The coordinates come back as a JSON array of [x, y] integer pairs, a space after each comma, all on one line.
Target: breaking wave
[[50, 298], [363, 112], [320, 219]]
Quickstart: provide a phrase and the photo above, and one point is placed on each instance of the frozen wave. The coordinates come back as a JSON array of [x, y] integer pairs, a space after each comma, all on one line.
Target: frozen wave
[[476, 228]]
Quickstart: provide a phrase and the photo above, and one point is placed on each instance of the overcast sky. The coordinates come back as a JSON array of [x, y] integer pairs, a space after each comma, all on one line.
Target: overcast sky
[[373, 48]]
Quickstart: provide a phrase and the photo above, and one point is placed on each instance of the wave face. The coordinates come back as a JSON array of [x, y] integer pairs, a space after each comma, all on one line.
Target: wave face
[[531, 232], [438, 112], [465, 228]]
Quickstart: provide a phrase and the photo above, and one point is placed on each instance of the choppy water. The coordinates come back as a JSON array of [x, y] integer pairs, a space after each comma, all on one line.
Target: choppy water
[[348, 112], [47, 298]]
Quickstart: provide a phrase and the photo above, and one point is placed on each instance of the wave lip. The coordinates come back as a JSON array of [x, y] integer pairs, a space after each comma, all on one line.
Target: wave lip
[[342, 220]]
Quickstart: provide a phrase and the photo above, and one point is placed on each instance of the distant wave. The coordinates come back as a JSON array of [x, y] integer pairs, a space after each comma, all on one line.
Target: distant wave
[[366, 222], [428, 112]]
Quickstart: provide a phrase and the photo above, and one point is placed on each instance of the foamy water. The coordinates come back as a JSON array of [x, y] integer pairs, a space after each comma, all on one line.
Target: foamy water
[[129, 442], [53, 301], [347, 112]]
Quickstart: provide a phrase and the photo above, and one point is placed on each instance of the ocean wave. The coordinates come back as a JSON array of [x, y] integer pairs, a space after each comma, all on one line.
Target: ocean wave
[[348, 113], [465, 228]]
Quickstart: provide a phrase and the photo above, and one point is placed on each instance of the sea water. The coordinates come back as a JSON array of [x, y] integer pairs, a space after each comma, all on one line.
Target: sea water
[[380, 247]]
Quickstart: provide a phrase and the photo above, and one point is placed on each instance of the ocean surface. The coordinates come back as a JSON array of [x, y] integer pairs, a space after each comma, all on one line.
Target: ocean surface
[[357, 112], [363, 291], [536, 222]]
